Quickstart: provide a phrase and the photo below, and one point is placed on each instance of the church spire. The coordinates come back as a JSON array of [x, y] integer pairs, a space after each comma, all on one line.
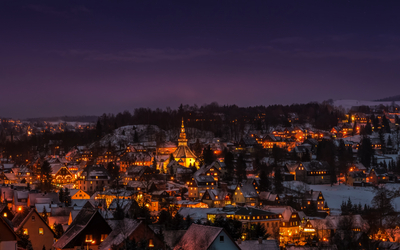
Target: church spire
[[182, 141]]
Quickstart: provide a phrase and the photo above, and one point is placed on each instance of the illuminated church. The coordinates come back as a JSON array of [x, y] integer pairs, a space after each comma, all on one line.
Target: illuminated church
[[183, 155]]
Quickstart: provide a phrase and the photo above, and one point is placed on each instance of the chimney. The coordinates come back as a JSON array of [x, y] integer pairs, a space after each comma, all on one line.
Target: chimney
[[311, 191], [260, 240], [239, 241]]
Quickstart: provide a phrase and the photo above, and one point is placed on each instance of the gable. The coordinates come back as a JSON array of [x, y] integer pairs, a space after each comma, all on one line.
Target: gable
[[33, 221], [223, 241], [63, 171], [95, 227], [7, 233]]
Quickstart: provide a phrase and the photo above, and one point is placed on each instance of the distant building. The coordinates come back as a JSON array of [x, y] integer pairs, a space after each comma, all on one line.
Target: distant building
[[93, 178], [314, 172]]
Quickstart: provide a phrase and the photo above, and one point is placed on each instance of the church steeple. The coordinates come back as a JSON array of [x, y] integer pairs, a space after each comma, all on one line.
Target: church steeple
[[182, 141]]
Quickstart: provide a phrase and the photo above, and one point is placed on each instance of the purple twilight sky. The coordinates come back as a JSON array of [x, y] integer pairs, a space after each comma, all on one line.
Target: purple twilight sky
[[93, 57]]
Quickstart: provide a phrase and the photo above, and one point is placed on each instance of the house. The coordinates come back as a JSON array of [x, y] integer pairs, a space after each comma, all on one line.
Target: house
[[245, 195], [5, 212], [314, 172], [62, 175], [32, 224], [316, 199], [8, 238], [210, 170], [93, 178], [199, 184], [358, 167], [356, 178], [134, 159], [42, 198], [268, 198], [128, 229], [20, 199], [216, 198], [8, 178], [290, 222], [377, 175], [78, 194], [88, 228], [199, 237], [251, 216]]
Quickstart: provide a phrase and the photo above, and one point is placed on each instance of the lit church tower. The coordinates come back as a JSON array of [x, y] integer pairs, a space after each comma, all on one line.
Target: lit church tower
[[183, 155]]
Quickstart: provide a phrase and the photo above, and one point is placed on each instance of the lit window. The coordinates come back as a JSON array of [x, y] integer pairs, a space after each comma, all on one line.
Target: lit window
[[103, 237], [88, 238], [151, 243], [40, 230], [5, 214], [25, 231]]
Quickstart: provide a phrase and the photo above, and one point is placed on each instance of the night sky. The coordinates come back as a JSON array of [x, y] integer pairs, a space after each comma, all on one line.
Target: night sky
[[64, 57]]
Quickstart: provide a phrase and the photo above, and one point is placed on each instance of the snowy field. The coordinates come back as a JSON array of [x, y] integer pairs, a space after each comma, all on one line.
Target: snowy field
[[337, 193]]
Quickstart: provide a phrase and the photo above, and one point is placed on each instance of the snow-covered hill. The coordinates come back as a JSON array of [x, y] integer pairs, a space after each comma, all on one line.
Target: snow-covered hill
[[347, 104], [334, 195], [149, 133]]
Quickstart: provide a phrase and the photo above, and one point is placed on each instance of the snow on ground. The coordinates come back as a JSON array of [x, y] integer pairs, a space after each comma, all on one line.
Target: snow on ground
[[334, 195], [347, 104]]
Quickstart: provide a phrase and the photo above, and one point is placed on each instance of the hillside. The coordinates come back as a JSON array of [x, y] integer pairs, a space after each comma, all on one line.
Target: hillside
[[395, 98]]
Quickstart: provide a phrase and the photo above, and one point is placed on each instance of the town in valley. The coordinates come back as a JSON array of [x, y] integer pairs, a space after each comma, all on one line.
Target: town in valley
[[304, 176]]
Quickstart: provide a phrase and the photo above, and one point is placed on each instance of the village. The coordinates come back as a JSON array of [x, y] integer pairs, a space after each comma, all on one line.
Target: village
[[138, 186]]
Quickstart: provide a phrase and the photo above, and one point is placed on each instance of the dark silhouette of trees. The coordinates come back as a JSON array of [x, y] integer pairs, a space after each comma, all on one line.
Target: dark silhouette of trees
[[366, 152]]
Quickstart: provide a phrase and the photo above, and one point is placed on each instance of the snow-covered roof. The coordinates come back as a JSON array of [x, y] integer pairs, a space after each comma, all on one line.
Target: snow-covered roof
[[122, 229], [199, 237], [256, 245]]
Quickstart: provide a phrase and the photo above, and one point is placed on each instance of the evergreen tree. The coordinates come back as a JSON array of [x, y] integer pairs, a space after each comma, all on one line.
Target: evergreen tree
[[67, 197], [154, 163], [277, 153], [197, 148], [99, 129], [278, 180], [382, 202], [164, 218], [46, 177], [385, 124], [113, 170], [354, 128], [232, 226], [208, 155], [44, 215], [264, 181], [241, 168], [382, 140], [177, 222], [366, 152], [188, 222], [390, 142], [58, 230], [118, 214], [61, 195], [135, 137], [229, 158]]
